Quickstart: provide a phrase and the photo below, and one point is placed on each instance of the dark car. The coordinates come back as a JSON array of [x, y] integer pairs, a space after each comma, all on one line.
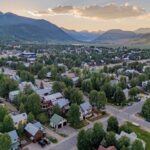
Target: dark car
[[42, 143], [148, 120], [46, 140]]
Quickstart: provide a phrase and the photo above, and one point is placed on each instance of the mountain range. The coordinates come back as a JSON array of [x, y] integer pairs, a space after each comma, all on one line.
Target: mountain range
[[18, 28], [23, 29]]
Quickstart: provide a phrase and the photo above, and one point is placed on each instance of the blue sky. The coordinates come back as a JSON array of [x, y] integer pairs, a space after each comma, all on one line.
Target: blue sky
[[89, 15]]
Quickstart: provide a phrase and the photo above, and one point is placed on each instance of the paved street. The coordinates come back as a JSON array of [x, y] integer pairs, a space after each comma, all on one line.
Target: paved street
[[126, 114]]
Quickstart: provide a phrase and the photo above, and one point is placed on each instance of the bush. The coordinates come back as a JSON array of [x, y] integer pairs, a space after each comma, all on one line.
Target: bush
[[52, 139], [43, 118]]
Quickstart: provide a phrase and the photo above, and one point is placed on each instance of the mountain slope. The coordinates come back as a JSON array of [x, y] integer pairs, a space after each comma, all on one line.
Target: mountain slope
[[13, 27], [84, 36], [114, 36], [143, 31]]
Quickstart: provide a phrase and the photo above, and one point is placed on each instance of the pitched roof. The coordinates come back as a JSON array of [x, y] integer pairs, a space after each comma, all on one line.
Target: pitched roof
[[14, 136], [16, 92], [31, 128], [53, 97], [61, 102], [56, 119], [38, 125], [19, 117], [42, 92], [85, 106]]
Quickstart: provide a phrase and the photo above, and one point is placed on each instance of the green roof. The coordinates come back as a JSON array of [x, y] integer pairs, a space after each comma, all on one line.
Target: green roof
[[56, 119]]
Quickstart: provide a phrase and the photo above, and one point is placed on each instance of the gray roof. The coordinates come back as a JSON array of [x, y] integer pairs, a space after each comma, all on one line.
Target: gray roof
[[61, 102], [14, 136], [42, 92], [39, 125], [19, 117], [85, 106], [14, 93], [53, 97], [56, 119], [32, 129]]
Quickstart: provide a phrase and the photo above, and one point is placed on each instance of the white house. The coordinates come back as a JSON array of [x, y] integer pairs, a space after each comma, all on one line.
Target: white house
[[13, 94], [19, 118], [132, 137], [86, 109]]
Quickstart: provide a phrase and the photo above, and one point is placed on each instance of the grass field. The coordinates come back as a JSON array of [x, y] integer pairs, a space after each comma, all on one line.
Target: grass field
[[142, 134]]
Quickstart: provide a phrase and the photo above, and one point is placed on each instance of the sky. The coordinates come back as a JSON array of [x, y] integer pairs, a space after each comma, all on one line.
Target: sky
[[91, 15]]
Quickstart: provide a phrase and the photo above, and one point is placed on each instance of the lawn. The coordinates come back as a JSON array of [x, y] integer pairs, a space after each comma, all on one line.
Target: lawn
[[142, 134]]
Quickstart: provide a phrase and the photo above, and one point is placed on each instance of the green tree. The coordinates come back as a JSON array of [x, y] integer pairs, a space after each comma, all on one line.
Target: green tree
[[133, 92], [123, 142], [5, 142], [81, 140], [101, 100], [76, 96], [87, 86], [74, 115], [7, 85], [93, 97], [97, 135], [58, 86], [22, 108], [137, 145], [31, 117], [109, 90], [43, 118], [113, 124], [8, 123], [146, 109], [33, 104], [20, 129], [3, 112], [110, 139], [56, 110], [119, 96], [26, 76]]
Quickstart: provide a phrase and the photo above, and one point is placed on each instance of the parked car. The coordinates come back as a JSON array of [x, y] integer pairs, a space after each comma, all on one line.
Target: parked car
[[46, 140], [42, 143]]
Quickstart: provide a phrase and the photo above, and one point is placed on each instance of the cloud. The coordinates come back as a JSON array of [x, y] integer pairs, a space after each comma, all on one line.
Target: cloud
[[111, 11]]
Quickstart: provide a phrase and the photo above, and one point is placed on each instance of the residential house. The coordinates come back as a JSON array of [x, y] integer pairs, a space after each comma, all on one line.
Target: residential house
[[144, 84], [86, 109], [132, 137], [62, 103], [57, 121], [39, 126], [25, 84], [72, 76], [114, 82], [108, 148], [48, 75], [13, 94], [15, 141], [33, 132], [43, 92], [19, 118], [47, 101]]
